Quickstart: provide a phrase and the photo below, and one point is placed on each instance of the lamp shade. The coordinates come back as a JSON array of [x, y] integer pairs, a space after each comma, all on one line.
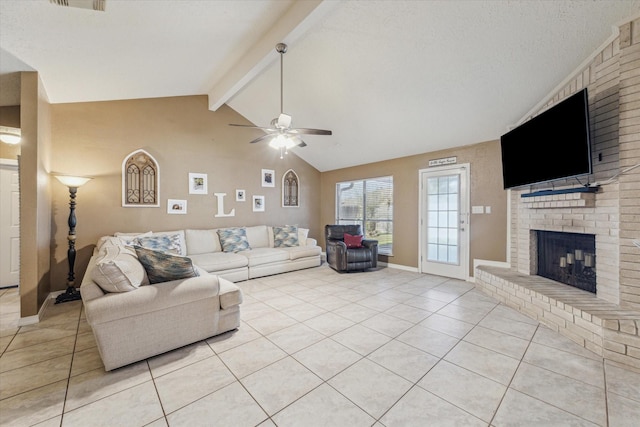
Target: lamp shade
[[73, 181]]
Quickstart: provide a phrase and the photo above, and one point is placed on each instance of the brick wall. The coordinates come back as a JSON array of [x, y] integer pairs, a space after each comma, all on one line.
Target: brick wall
[[630, 155], [613, 215]]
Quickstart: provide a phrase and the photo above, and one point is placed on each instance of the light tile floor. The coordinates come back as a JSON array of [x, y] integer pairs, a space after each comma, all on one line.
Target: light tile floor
[[318, 348]]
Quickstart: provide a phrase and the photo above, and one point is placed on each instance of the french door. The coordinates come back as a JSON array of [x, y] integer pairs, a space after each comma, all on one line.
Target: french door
[[444, 221]]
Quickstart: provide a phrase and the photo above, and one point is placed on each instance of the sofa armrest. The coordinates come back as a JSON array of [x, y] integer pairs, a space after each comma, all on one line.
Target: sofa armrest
[[150, 298], [373, 246], [310, 242], [336, 250], [369, 243]]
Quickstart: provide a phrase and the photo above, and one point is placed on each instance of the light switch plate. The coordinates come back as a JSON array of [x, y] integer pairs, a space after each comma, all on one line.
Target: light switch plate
[[477, 209]]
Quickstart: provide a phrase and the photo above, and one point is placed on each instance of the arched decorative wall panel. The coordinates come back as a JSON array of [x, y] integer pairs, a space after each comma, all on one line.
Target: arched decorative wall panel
[[290, 189], [140, 180]]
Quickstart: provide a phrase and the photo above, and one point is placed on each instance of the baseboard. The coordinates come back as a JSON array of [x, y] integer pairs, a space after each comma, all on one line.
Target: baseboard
[[398, 266], [30, 320]]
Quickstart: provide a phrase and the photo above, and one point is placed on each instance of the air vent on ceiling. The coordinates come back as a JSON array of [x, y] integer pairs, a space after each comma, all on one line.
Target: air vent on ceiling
[[83, 4]]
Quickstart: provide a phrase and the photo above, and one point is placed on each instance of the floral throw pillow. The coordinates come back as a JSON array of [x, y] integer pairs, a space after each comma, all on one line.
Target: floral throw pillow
[[233, 239], [352, 242], [285, 236], [163, 267]]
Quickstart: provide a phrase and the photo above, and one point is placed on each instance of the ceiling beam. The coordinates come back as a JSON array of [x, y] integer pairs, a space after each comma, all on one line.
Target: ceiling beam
[[299, 18]]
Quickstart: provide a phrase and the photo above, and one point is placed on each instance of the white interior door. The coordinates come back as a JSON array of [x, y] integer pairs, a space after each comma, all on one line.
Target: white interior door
[[444, 221], [9, 224]]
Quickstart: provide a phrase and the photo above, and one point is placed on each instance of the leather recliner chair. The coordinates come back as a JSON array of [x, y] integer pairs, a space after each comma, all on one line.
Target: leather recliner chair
[[342, 258]]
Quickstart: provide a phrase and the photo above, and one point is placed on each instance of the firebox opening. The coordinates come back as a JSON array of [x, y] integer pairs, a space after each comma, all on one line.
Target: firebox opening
[[569, 258]]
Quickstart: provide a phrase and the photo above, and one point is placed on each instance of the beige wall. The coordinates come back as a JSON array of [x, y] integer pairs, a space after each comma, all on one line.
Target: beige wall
[[10, 116], [488, 231], [35, 195], [92, 139]]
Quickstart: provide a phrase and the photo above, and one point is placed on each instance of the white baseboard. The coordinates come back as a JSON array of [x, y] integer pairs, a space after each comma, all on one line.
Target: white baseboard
[[30, 320], [398, 266]]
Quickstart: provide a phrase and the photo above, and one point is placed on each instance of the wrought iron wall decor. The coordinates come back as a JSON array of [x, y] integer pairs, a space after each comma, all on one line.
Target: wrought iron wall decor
[[140, 180], [290, 189]]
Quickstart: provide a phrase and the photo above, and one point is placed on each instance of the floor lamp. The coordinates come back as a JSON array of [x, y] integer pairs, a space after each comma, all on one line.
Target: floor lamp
[[73, 182]]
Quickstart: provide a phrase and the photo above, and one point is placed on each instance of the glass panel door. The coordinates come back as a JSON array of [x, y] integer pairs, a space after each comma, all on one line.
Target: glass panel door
[[443, 221]]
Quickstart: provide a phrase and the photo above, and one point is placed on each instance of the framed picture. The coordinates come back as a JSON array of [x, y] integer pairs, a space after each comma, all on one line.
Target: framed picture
[[258, 203], [197, 183], [175, 206], [268, 178], [241, 196]]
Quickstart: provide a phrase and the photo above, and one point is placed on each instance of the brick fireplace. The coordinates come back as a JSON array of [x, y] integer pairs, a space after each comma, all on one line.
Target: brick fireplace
[[568, 258], [607, 321]]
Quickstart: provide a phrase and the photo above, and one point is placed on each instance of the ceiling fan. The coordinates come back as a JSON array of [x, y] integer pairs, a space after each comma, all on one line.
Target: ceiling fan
[[282, 135]]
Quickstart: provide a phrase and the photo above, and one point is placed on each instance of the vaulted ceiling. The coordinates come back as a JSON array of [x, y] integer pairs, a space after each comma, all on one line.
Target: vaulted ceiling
[[389, 78]]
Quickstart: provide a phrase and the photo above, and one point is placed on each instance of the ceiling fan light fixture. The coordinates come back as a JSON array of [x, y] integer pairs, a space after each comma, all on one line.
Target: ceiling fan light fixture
[[282, 141], [10, 135]]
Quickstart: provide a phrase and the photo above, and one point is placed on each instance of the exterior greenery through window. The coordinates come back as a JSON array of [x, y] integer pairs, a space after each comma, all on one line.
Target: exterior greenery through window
[[368, 202]]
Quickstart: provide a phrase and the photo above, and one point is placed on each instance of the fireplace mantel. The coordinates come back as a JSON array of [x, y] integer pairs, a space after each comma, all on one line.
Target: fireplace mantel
[[560, 200]]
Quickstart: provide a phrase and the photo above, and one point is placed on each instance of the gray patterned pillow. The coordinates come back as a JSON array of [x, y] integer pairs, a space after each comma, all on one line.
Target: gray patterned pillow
[[165, 243], [234, 239], [163, 267], [285, 236]]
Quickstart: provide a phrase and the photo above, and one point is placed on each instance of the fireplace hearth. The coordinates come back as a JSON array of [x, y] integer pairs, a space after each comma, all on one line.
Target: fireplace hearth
[[568, 258]]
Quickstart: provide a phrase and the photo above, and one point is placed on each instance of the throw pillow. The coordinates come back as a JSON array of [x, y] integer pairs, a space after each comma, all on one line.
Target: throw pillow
[[234, 239], [164, 243], [303, 233], [285, 236], [118, 270], [128, 239], [163, 267], [352, 242]]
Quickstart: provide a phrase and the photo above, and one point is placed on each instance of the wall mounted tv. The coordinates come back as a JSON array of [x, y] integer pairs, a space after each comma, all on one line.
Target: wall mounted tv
[[554, 144]]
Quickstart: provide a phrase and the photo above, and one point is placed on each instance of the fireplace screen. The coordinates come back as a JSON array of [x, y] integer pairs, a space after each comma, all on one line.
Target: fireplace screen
[[568, 258]]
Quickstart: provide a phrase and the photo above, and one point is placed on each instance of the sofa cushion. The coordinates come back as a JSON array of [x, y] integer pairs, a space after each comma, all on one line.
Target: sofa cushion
[[262, 256], [117, 269], [352, 242], [202, 241], [258, 236], [234, 239], [164, 243], [297, 252], [219, 261], [163, 267], [285, 236], [230, 294]]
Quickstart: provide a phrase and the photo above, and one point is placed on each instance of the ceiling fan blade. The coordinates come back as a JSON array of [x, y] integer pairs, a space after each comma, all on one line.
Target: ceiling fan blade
[[253, 127], [305, 131], [300, 143], [263, 137]]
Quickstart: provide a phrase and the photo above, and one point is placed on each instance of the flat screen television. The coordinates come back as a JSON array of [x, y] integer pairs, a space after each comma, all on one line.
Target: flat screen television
[[553, 145]]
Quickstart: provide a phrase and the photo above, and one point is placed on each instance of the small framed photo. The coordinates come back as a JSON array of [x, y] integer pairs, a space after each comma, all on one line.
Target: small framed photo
[[197, 183], [175, 206], [258, 203], [268, 178], [241, 196]]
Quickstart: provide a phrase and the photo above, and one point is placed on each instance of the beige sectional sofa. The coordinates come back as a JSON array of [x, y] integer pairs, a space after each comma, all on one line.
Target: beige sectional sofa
[[263, 259], [133, 319]]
